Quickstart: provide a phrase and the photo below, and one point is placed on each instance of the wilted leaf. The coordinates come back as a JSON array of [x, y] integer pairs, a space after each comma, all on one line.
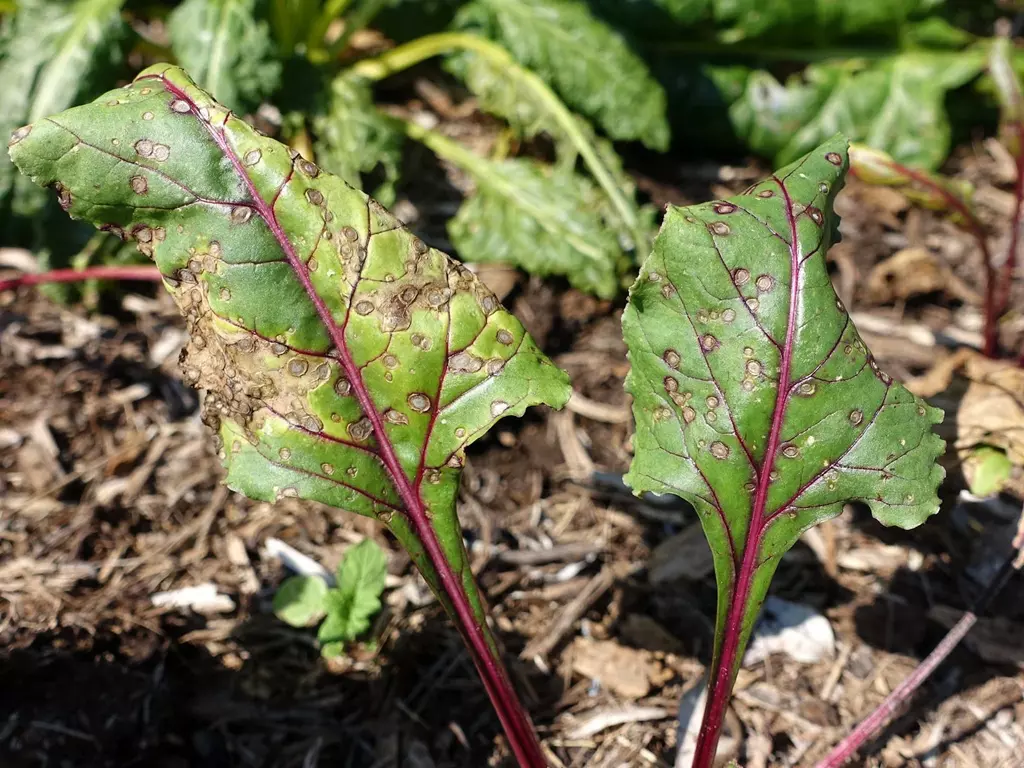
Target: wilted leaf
[[227, 49], [755, 398], [300, 601], [590, 65], [344, 360], [895, 105], [546, 221], [355, 138]]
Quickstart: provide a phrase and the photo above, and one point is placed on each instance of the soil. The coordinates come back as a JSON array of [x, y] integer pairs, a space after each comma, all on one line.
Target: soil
[[110, 492]]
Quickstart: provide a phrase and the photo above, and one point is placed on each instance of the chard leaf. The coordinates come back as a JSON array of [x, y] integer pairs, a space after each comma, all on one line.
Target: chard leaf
[[355, 138], [546, 220], [55, 54], [755, 398], [588, 63], [895, 104], [228, 50], [343, 360]]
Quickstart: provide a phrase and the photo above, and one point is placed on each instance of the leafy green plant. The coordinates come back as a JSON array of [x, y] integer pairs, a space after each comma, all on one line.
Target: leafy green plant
[[344, 360], [756, 400], [343, 612]]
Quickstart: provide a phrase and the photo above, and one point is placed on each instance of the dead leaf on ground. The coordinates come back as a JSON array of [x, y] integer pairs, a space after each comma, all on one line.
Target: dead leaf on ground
[[625, 671], [913, 272]]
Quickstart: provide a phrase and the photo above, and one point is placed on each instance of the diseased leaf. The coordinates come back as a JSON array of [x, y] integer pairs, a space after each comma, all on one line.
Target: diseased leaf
[[755, 398], [350, 607], [354, 138], [55, 54], [344, 360], [588, 63], [228, 50], [300, 601], [895, 104]]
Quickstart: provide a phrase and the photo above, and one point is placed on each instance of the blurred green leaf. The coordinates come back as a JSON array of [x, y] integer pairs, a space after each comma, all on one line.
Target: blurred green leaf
[[350, 607], [987, 469], [226, 46], [588, 63], [354, 138], [301, 601]]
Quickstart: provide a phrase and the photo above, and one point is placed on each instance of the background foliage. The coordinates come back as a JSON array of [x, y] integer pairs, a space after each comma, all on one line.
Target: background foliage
[[567, 78]]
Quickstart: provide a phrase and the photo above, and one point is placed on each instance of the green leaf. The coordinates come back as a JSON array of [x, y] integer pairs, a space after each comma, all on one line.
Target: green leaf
[[987, 469], [588, 63], [301, 601], [895, 104], [545, 220], [55, 54], [344, 361], [755, 398], [227, 48], [350, 607], [354, 138]]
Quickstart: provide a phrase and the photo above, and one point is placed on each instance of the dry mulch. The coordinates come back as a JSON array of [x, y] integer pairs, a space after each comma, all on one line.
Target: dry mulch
[[110, 492]]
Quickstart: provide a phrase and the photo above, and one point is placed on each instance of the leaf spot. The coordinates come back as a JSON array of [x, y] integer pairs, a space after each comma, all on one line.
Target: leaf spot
[[728, 316], [315, 196], [180, 106], [790, 451], [689, 414], [225, 294], [19, 134], [709, 343], [764, 283], [823, 188], [834, 158], [147, 115], [668, 290], [740, 276], [419, 402], [672, 359], [252, 157], [460, 433], [816, 215], [144, 148], [161, 152], [352, 471], [498, 407], [297, 366], [309, 168], [671, 385], [724, 208], [654, 277], [278, 348], [710, 417], [395, 417], [390, 361], [719, 228], [719, 450], [139, 185], [765, 194], [504, 337], [463, 362], [752, 304], [350, 233], [328, 469], [364, 307], [494, 366], [240, 214], [856, 417], [754, 367], [361, 429], [342, 387], [712, 402], [747, 384], [662, 413], [806, 388]]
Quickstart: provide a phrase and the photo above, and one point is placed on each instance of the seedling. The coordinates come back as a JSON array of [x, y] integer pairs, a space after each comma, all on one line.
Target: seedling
[[343, 612], [343, 360], [755, 398]]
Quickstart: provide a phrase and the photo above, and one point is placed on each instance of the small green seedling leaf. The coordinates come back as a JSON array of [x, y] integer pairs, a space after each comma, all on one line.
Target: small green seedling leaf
[[349, 608], [301, 601], [755, 398], [987, 469]]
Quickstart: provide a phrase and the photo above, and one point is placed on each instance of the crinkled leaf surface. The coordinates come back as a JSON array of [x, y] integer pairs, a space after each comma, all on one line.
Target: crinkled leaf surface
[[344, 360], [590, 65], [227, 49], [545, 220], [896, 105], [55, 54], [754, 397], [354, 138]]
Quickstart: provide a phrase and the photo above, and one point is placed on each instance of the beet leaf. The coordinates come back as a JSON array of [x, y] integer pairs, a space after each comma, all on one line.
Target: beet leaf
[[343, 360], [755, 398]]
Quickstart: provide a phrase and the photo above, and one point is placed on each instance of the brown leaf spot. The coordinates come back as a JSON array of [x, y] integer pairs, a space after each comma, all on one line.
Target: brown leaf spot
[[19, 134], [719, 228], [728, 316], [297, 366], [395, 417], [709, 343], [350, 233], [364, 307], [309, 168], [816, 215], [765, 194], [711, 401], [139, 185], [790, 451], [740, 276], [342, 387], [671, 385], [327, 469], [857, 416], [754, 367], [361, 429], [668, 290], [419, 402], [719, 450], [689, 414], [240, 214], [807, 388], [672, 359], [764, 283], [823, 188], [252, 157], [63, 196], [315, 196], [835, 158], [753, 304], [724, 208], [180, 106], [161, 152], [463, 362], [498, 407], [504, 337]]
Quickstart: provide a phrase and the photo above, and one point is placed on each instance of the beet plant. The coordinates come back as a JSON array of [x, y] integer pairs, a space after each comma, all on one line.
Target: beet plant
[[342, 359], [756, 400]]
